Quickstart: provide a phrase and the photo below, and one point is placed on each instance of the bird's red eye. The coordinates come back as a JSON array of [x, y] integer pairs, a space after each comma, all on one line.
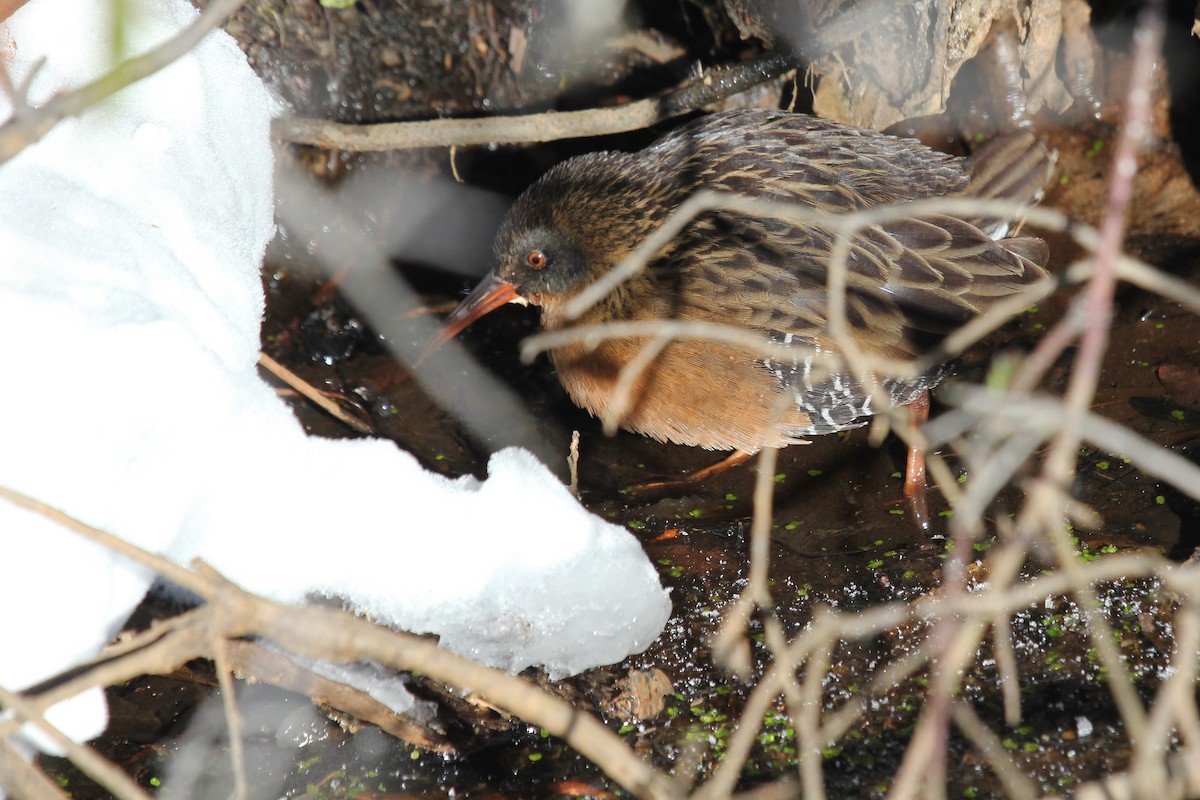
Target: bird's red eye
[[536, 259]]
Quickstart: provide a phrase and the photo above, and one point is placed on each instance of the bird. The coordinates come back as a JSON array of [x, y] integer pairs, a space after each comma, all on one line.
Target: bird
[[909, 281]]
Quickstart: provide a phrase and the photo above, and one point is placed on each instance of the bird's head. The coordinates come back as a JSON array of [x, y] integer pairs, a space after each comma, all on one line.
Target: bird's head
[[544, 265], [539, 266], [566, 230]]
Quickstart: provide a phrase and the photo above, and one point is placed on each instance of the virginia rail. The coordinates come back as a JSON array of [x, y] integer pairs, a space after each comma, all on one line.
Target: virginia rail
[[909, 281]]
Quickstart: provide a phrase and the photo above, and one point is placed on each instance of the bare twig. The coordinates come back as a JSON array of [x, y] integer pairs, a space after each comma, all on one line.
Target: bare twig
[[233, 717], [168, 569], [252, 661], [806, 717], [592, 335], [1044, 414], [88, 760], [760, 529], [335, 635], [1015, 782], [1060, 462], [23, 779], [627, 379], [550, 126], [573, 464], [315, 396], [25, 128], [1150, 750], [1180, 771]]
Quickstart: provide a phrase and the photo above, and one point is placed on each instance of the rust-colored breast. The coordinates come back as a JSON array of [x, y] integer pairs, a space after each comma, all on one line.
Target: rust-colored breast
[[696, 393]]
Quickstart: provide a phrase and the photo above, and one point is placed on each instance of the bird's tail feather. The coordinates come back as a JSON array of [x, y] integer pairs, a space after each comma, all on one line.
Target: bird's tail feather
[[1010, 167], [1014, 166]]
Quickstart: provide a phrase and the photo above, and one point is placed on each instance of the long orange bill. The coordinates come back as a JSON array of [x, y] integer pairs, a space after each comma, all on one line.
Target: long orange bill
[[490, 294]]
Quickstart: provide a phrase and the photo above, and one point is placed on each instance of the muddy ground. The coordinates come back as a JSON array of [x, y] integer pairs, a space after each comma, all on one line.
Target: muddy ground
[[841, 533]]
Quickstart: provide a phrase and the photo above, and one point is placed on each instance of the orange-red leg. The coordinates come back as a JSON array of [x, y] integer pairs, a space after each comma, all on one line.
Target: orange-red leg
[[730, 461], [914, 471]]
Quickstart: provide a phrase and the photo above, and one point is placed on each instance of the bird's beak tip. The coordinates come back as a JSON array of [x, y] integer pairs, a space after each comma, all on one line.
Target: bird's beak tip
[[490, 294]]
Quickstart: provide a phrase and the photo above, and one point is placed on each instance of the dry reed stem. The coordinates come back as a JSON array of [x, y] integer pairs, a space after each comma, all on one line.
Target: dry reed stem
[[730, 649], [1060, 462], [591, 336], [1059, 465], [760, 528], [1180, 695], [1006, 669], [628, 378]]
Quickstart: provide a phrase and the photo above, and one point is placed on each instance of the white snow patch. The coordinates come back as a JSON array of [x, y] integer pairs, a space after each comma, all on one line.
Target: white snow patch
[[130, 303]]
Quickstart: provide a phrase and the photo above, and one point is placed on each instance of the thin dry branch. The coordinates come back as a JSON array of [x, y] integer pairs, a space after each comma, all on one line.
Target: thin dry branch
[[806, 718], [313, 395], [233, 717], [714, 85], [88, 760], [1150, 750], [1134, 133], [250, 660], [1016, 783], [591, 335], [323, 633], [1182, 780], [842, 225], [23, 779], [335, 635], [1044, 414], [27, 124], [1059, 465]]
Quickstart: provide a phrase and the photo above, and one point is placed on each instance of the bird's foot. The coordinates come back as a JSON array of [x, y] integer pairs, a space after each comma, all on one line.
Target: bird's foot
[[919, 507], [689, 481]]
